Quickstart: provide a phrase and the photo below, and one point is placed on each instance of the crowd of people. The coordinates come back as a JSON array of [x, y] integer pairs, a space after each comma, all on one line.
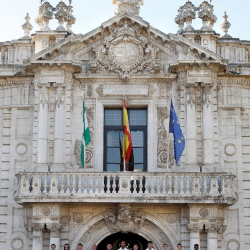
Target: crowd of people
[[124, 247]]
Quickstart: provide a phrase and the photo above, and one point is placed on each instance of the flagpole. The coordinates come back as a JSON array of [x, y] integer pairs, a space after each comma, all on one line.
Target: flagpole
[[124, 160]]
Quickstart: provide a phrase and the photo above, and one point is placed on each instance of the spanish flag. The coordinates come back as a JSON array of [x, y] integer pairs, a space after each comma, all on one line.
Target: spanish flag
[[127, 142]]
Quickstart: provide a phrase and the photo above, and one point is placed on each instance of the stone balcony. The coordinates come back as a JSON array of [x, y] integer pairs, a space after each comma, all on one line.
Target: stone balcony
[[125, 187]]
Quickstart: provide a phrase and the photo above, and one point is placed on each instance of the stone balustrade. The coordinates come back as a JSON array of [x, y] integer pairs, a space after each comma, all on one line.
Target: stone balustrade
[[126, 187]]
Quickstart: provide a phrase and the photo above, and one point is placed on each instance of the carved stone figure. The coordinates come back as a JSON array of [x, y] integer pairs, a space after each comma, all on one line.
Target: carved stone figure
[[128, 6]]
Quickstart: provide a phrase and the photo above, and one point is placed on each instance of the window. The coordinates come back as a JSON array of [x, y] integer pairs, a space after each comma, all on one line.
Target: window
[[113, 139]]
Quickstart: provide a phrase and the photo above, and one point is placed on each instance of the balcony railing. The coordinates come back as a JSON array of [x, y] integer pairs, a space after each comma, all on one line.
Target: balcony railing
[[126, 187]]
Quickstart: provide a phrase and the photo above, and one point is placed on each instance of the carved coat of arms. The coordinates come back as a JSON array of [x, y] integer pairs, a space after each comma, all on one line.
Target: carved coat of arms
[[126, 54]]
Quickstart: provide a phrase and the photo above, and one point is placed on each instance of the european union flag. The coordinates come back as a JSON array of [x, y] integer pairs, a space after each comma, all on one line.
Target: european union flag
[[175, 129]]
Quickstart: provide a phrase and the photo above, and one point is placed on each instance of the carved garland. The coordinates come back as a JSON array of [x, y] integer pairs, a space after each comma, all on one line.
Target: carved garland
[[162, 146]]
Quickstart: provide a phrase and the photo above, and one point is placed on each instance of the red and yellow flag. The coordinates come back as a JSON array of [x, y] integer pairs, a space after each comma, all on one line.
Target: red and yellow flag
[[127, 142]]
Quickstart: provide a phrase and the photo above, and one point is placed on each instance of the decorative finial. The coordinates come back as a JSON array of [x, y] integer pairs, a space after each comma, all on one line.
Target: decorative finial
[[70, 2], [128, 6], [186, 14], [69, 19], [27, 27], [45, 14], [60, 15], [206, 13], [225, 26]]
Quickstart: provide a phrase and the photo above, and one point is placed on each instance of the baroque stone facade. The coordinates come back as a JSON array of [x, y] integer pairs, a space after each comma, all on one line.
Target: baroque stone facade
[[47, 197]]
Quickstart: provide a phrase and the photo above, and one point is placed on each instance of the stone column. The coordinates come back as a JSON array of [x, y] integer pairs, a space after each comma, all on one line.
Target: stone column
[[207, 128], [59, 125], [212, 235], [194, 230], [42, 154], [191, 132], [54, 234], [37, 236]]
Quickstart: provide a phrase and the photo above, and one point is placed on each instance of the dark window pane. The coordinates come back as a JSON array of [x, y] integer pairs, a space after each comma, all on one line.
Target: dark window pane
[[137, 117], [113, 139], [138, 166], [113, 117], [114, 155], [113, 167], [138, 155], [137, 138]]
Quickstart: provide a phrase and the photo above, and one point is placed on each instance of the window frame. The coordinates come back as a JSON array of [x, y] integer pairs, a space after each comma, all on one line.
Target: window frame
[[143, 128]]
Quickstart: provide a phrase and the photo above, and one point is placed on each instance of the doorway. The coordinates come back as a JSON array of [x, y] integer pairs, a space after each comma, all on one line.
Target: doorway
[[130, 238]]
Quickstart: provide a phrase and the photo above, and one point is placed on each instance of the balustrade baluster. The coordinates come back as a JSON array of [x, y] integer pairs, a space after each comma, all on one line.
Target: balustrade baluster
[[45, 184], [146, 185], [73, 184], [205, 185], [67, 184], [182, 185], [170, 184], [140, 186], [158, 183], [108, 184], [152, 189], [164, 184], [176, 184], [102, 184], [85, 184]]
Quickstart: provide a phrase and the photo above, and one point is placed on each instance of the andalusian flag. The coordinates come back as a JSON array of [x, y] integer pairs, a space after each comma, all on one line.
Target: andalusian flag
[[85, 136], [127, 142]]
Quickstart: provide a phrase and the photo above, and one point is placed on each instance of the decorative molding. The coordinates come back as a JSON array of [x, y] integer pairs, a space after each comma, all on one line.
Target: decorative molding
[[203, 212], [162, 145], [45, 211], [172, 219], [230, 149], [78, 218], [17, 244], [233, 245]]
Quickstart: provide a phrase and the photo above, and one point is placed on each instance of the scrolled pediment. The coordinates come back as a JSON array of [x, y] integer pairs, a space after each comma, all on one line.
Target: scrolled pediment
[[126, 54]]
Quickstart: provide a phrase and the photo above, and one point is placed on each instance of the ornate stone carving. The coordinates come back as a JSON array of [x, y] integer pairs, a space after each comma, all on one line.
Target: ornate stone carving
[[230, 149], [213, 227], [128, 6], [191, 98], [203, 212], [126, 54], [124, 219], [89, 90], [78, 218], [207, 96], [36, 226], [90, 147], [99, 90], [206, 13], [44, 96], [53, 227], [60, 95], [172, 219], [45, 211], [69, 19], [196, 227], [162, 146], [86, 237], [45, 14], [61, 9]]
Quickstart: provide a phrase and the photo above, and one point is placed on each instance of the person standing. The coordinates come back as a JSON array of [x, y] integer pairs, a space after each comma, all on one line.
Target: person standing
[[179, 246], [66, 247], [165, 246], [123, 245], [135, 246], [196, 247], [80, 246], [94, 247], [53, 247], [150, 245], [109, 246]]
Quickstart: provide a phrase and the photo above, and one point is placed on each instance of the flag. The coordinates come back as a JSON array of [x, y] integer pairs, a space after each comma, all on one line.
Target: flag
[[85, 137], [127, 142], [175, 129]]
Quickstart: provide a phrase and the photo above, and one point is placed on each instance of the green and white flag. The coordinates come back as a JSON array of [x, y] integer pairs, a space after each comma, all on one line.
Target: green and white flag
[[85, 136]]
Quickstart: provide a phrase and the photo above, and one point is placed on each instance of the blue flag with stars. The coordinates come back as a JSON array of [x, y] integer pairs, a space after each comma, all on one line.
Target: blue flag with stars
[[175, 129]]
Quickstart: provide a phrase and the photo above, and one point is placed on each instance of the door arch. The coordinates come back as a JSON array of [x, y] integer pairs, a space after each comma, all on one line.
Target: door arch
[[130, 238]]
